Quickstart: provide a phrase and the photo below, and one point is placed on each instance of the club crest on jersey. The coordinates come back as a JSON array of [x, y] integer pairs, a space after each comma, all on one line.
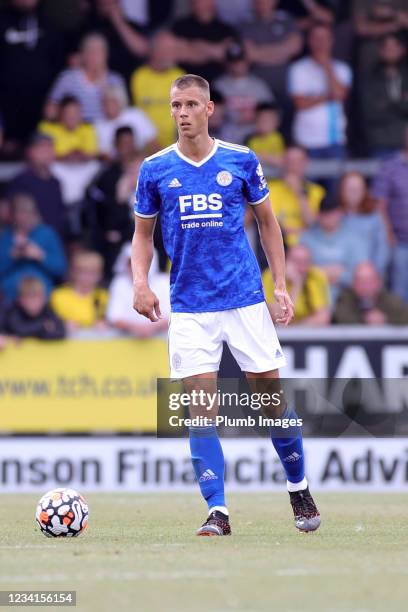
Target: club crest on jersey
[[224, 178]]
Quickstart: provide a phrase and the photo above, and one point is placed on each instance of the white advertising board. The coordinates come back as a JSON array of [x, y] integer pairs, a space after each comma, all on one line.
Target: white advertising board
[[147, 464]]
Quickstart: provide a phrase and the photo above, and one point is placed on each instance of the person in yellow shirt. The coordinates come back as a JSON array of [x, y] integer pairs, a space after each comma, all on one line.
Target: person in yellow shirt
[[266, 141], [295, 201], [81, 303], [73, 139], [307, 286], [150, 85]]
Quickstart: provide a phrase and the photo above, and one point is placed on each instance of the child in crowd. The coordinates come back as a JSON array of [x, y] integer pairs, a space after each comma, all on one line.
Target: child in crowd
[[31, 316], [73, 139], [82, 303], [267, 142]]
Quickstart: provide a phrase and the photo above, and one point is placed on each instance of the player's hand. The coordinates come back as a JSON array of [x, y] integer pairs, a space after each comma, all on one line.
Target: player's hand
[[286, 310], [146, 303]]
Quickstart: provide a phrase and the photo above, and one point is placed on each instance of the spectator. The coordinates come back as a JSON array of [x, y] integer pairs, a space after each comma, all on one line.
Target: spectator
[[266, 141], [116, 115], [390, 188], [31, 316], [295, 200], [87, 82], [150, 86], [319, 86], [366, 301], [76, 164], [38, 180], [120, 312], [29, 248], [335, 13], [384, 98], [202, 39], [242, 91], [272, 41], [127, 41], [333, 247], [31, 53], [81, 302], [362, 219], [73, 139], [110, 198], [307, 286], [374, 19], [219, 128]]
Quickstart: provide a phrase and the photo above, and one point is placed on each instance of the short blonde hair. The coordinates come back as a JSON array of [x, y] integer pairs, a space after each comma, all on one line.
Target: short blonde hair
[[192, 80]]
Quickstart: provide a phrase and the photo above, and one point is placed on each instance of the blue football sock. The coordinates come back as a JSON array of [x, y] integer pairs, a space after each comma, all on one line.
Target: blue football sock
[[290, 449], [208, 463]]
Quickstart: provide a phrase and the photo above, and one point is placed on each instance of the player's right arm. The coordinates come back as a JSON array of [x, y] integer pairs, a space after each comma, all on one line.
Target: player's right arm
[[146, 210], [144, 300]]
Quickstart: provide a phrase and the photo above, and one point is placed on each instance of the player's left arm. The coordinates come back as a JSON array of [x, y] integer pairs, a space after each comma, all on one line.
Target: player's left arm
[[272, 244]]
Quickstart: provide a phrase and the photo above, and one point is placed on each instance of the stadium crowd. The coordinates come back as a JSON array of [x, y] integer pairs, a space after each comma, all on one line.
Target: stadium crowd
[[84, 88]]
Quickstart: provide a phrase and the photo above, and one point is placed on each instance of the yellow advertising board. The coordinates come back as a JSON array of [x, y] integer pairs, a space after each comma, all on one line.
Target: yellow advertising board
[[81, 385]]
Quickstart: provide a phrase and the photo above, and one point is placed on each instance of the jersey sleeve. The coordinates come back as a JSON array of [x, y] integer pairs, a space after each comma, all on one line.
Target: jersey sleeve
[[255, 188], [147, 201]]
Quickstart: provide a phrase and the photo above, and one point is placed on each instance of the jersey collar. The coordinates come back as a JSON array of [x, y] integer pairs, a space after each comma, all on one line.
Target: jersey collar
[[203, 161]]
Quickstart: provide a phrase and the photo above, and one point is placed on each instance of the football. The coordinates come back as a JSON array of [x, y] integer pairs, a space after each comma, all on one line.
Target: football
[[62, 513]]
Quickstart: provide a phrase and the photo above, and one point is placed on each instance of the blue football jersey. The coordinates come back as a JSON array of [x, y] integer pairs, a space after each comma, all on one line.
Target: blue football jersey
[[202, 207]]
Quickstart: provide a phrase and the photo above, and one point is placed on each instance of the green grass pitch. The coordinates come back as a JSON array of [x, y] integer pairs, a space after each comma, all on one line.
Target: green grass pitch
[[140, 554]]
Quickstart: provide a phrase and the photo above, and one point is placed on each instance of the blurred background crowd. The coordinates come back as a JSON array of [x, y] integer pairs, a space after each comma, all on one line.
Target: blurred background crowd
[[84, 88]]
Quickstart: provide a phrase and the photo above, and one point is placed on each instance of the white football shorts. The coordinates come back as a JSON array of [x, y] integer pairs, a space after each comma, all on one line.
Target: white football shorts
[[196, 340]]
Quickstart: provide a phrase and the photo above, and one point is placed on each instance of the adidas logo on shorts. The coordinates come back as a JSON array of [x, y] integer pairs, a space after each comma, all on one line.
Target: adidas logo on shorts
[[208, 475]]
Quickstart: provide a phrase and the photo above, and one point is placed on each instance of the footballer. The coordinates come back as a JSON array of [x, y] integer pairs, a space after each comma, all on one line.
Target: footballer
[[200, 186]]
